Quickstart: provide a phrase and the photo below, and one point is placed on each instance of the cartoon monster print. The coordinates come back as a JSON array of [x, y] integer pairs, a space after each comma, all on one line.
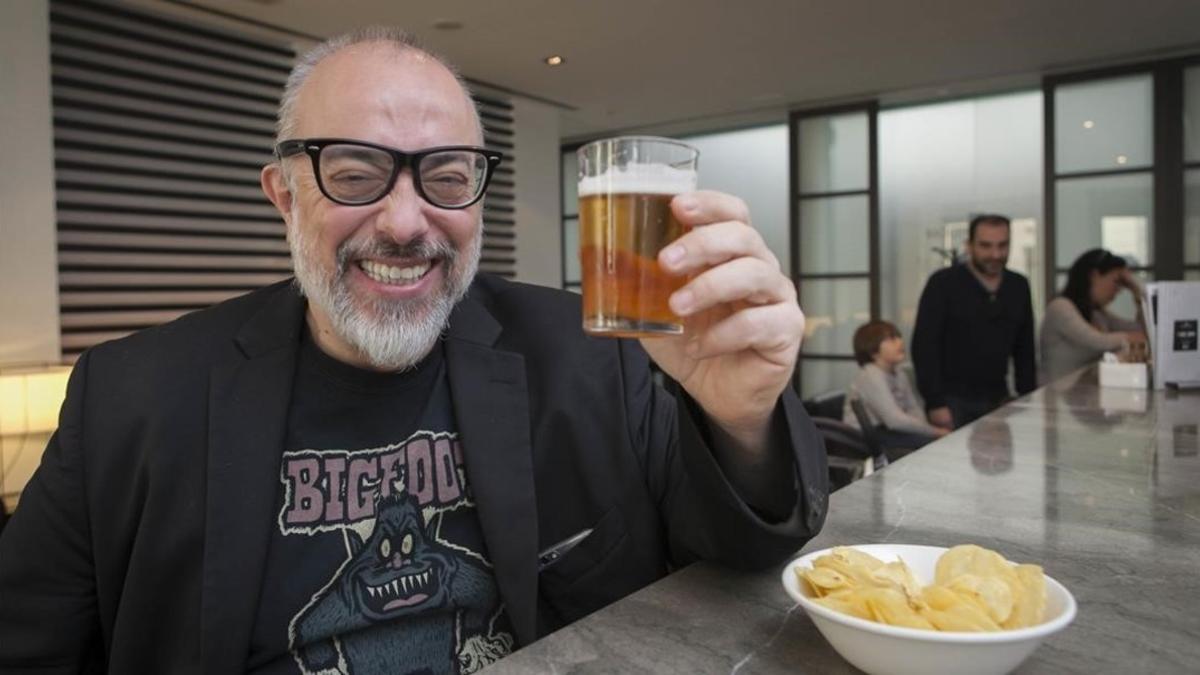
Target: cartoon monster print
[[400, 571]]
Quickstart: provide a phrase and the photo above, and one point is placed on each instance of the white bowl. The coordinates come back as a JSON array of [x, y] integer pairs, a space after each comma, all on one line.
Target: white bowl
[[880, 649]]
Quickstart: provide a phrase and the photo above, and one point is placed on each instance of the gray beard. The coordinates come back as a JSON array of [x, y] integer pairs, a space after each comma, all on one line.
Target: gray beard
[[392, 335]]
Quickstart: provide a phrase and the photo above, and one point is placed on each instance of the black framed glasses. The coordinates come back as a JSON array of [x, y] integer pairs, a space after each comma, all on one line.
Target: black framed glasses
[[356, 173]]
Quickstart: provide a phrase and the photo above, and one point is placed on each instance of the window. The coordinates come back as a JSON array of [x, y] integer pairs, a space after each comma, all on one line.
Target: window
[[1103, 168], [834, 202]]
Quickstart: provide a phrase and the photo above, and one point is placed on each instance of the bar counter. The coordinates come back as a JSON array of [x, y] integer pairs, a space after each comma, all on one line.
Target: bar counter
[[1101, 486]]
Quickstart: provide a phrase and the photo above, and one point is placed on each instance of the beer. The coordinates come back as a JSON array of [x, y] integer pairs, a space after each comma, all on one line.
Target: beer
[[625, 291], [625, 220]]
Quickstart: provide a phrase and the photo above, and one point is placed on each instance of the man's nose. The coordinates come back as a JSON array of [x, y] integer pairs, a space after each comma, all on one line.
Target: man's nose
[[402, 216]]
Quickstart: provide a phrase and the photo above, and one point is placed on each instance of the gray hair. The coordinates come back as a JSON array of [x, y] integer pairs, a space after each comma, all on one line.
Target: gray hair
[[401, 40]]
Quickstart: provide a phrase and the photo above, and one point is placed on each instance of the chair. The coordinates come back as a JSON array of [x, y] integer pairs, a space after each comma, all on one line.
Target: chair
[[828, 404], [888, 445], [849, 457], [872, 433]]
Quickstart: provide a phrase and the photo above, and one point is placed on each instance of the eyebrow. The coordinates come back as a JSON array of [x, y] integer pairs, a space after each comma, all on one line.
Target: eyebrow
[[368, 155], [440, 159]]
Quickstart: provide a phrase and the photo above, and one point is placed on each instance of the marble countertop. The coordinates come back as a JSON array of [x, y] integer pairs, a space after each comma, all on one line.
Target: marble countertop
[[1101, 486]]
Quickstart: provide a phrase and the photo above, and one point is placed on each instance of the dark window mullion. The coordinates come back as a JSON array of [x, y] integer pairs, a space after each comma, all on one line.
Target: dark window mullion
[[834, 194], [834, 275], [1167, 236], [1132, 268], [1100, 173]]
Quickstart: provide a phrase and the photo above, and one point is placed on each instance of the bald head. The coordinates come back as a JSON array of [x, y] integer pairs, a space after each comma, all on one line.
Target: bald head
[[378, 40]]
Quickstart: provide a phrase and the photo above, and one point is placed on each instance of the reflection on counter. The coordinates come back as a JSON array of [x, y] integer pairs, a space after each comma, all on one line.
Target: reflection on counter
[[1176, 459], [1108, 501], [991, 446], [1113, 400]]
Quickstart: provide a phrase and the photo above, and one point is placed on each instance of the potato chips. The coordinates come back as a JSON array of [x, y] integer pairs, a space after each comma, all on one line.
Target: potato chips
[[974, 589]]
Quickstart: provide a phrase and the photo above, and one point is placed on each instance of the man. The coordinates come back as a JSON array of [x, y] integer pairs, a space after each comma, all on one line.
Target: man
[[405, 468], [972, 318]]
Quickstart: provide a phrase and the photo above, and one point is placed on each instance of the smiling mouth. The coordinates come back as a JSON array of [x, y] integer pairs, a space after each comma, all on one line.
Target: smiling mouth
[[396, 275]]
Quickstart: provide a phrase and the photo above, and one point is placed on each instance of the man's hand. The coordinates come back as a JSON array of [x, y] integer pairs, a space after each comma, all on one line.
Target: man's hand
[[743, 325], [941, 417]]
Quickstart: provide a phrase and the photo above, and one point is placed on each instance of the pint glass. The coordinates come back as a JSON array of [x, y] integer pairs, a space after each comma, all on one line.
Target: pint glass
[[625, 190]]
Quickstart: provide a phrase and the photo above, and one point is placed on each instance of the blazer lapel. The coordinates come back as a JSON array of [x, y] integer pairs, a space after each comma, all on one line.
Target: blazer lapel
[[491, 407], [248, 403]]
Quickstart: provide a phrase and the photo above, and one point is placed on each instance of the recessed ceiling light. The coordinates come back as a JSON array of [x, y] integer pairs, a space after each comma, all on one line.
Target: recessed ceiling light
[[1088, 124], [1121, 159], [554, 60], [448, 24]]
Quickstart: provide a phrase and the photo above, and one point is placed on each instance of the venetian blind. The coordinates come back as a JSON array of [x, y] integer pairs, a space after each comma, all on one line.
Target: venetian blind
[[160, 128]]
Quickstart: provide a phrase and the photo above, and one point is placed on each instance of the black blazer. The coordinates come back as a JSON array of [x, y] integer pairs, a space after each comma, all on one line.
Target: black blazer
[[139, 544]]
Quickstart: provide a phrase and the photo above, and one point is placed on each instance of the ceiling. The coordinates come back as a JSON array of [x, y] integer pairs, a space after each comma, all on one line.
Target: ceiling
[[636, 64]]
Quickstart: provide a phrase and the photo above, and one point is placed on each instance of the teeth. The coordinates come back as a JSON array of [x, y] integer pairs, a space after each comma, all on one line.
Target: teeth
[[389, 274]]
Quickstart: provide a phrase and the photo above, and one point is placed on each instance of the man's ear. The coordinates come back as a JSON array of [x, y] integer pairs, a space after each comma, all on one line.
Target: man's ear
[[275, 186]]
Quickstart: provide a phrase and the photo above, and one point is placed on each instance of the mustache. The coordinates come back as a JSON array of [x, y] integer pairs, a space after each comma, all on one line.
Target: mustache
[[421, 248]]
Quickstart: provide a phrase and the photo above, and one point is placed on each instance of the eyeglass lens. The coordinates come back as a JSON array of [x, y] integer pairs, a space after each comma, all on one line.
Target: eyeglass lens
[[360, 174]]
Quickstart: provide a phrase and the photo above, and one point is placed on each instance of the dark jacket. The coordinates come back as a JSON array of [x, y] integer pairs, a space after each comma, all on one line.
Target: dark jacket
[[139, 544], [965, 335]]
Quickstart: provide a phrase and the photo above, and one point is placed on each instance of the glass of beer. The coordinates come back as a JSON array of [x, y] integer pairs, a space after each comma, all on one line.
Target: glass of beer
[[625, 189]]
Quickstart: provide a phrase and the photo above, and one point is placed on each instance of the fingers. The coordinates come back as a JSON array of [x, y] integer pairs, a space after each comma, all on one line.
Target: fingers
[[772, 331], [747, 279], [706, 206], [735, 268], [714, 244]]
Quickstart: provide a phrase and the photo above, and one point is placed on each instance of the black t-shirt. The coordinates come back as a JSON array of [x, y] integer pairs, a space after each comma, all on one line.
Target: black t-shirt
[[377, 563], [965, 335]]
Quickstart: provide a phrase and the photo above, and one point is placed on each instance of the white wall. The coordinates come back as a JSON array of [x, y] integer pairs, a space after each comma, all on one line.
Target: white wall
[[29, 332], [538, 209]]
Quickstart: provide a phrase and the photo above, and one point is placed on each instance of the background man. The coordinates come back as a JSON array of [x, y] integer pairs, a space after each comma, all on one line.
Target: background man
[[972, 318]]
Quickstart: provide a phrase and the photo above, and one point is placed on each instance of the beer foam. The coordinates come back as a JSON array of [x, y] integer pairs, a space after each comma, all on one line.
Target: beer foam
[[654, 179]]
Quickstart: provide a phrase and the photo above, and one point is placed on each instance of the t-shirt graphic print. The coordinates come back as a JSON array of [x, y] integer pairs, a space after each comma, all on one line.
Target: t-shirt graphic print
[[414, 592]]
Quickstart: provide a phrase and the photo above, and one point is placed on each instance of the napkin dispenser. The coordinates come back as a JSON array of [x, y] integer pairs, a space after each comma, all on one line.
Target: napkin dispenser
[[1123, 375]]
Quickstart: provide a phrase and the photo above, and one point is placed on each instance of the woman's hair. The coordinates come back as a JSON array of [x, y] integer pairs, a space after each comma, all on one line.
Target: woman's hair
[[1079, 280], [869, 336]]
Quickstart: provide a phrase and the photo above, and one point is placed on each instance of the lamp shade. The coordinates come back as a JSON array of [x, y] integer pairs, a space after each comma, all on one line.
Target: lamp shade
[[30, 399]]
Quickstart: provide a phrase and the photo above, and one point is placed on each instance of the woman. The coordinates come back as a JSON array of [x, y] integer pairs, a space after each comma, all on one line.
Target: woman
[[885, 392], [1077, 329]]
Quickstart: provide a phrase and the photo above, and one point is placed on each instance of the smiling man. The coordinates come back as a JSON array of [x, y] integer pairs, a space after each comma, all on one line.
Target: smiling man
[[396, 464]]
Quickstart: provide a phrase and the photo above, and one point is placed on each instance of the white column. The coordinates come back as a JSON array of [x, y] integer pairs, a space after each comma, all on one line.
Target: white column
[[29, 325], [538, 211]]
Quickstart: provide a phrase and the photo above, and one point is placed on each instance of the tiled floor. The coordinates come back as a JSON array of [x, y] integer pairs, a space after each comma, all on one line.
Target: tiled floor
[[19, 456]]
